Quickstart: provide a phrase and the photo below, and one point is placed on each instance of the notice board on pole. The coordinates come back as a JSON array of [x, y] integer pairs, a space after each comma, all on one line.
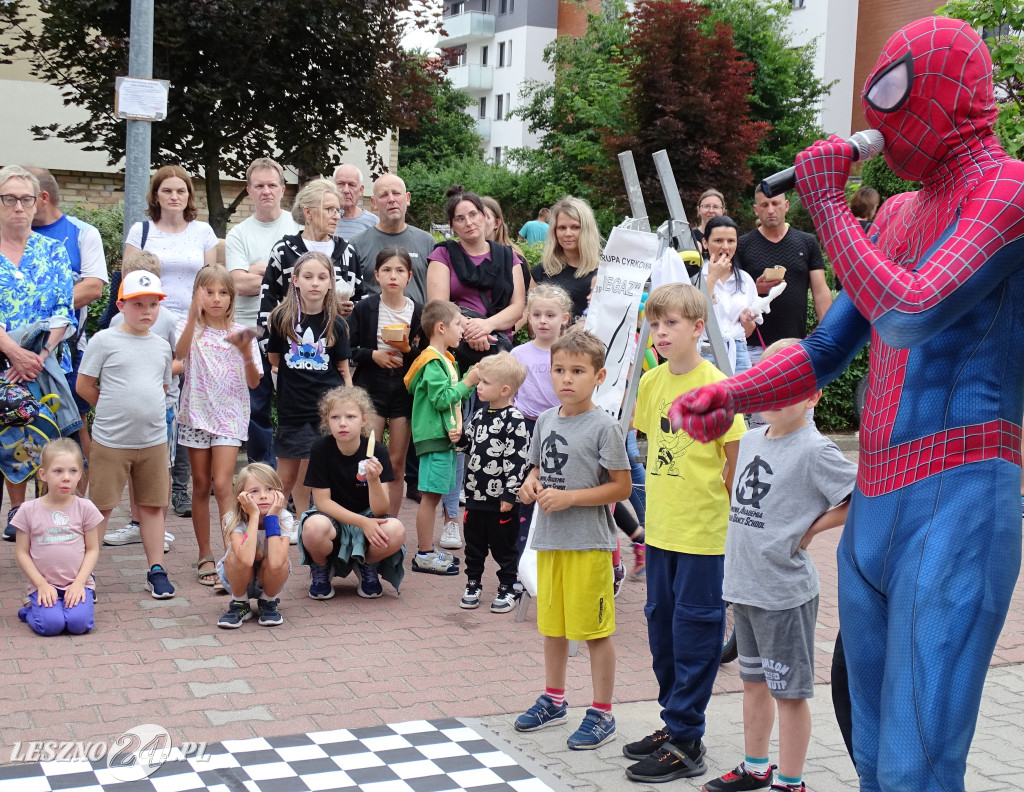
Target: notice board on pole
[[139, 99]]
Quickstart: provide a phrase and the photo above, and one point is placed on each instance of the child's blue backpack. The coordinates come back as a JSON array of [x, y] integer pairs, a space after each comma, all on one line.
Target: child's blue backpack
[[27, 423]]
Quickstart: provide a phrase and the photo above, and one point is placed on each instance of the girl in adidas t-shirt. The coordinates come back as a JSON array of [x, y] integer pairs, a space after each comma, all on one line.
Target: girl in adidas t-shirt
[[308, 352]]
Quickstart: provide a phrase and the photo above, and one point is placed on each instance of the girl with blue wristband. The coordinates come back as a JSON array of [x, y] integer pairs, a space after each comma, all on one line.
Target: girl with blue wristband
[[257, 532]]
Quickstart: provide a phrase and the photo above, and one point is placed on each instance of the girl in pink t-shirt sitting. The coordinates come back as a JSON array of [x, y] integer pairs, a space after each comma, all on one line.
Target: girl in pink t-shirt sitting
[[57, 546], [222, 362]]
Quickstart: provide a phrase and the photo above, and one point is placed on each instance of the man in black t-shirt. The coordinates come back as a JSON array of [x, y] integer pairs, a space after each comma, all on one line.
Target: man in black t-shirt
[[775, 244]]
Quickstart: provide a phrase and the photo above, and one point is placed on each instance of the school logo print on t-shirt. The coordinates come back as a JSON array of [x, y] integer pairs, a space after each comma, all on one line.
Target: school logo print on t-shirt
[[553, 456], [671, 446], [308, 355], [751, 489]]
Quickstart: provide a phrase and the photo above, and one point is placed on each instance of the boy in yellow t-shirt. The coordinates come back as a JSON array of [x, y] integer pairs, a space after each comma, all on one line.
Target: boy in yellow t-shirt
[[688, 485]]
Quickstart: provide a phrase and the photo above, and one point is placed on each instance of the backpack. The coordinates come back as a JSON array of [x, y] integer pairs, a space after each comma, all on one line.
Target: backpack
[[21, 443], [17, 405]]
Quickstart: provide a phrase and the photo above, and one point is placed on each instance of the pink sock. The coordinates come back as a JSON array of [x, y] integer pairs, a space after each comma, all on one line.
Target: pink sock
[[557, 696], [604, 709]]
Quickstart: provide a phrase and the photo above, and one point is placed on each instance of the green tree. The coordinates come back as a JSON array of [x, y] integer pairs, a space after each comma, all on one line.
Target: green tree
[[1002, 25], [577, 109], [446, 132], [785, 92], [248, 78]]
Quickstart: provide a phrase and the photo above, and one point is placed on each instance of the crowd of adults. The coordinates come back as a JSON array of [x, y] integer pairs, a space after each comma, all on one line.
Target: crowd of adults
[[52, 268]]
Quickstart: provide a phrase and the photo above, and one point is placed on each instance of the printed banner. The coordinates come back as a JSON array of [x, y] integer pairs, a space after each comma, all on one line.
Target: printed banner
[[626, 264]]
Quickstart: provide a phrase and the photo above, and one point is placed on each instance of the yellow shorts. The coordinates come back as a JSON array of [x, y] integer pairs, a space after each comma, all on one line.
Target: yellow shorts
[[575, 594]]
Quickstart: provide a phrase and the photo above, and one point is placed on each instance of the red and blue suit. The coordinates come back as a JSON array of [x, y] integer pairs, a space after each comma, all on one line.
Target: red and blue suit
[[932, 545]]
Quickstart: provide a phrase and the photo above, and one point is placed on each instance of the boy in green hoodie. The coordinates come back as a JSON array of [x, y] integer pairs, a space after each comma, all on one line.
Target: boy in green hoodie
[[437, 396]]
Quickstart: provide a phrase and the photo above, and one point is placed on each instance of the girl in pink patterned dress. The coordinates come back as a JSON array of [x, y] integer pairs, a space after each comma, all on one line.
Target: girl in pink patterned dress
[[221, 363]]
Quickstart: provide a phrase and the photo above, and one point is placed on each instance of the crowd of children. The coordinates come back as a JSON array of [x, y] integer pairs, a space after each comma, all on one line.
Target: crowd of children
[[537, 447]]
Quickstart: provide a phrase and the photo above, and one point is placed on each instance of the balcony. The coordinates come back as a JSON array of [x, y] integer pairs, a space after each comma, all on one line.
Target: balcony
[[472, 79], [466, 28], [483, 128]]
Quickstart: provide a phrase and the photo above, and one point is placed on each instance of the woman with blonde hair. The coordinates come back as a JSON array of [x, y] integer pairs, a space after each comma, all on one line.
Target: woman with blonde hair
[[317, 208], [572, 252]]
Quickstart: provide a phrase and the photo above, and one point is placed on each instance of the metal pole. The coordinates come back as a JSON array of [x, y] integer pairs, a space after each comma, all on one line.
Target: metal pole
[[680, 230], [138, 140]]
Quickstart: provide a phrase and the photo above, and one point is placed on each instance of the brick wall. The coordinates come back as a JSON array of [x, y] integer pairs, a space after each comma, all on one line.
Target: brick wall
[[876, 21], [572, 20]]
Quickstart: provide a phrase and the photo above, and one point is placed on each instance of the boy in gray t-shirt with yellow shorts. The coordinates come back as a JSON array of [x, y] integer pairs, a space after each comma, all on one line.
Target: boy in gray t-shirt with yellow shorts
[[580, 466], [791, 483]]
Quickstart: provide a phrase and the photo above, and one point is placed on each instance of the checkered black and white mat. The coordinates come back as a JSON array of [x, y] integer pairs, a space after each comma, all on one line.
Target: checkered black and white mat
[[417, 756]]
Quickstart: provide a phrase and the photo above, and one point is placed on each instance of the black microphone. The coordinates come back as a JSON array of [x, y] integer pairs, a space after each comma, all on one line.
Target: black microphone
[[865, 144]]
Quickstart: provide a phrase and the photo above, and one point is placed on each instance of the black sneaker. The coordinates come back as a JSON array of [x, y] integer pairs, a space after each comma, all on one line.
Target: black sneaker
[[181, 503], [739, 780], [504, 599], [270, 616], [471, 596], [641, 749], [10, 532], [671, 761], [238, 612]]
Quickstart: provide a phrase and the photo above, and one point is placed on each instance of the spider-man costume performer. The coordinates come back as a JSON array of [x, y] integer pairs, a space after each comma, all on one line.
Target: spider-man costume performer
[[931, 549]]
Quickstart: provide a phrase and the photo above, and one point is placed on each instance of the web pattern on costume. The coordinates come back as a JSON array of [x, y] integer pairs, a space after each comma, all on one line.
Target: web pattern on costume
[[942, 296]]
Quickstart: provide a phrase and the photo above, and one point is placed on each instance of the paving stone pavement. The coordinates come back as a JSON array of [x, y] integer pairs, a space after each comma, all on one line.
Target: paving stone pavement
[[996, 761], [350, 662]]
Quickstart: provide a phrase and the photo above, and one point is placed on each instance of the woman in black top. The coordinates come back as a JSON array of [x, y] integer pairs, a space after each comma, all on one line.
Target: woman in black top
[[572, 252]]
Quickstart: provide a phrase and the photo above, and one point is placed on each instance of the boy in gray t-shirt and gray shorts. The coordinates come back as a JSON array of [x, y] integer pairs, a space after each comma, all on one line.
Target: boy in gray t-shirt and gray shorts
[[791, 483]]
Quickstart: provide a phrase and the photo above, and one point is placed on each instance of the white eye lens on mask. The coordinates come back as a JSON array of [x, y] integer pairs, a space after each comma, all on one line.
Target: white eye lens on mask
[[890, 89]]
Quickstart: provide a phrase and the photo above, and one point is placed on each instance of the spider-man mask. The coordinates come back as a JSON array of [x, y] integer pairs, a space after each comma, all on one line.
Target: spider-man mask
[[930, 95]]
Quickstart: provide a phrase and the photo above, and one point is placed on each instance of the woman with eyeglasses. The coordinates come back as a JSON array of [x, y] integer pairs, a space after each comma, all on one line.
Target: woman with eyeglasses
[[317, 208], [710, 204], [35, 286]]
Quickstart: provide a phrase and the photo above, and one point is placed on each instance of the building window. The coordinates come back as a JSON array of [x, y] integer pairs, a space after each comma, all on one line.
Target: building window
[[499, 111], [458, 8], [501, 54], [483, 56], [796, 4], [503, 6], [508, 52], [460, 57], [485, 5], [483, 107], [497, 155]]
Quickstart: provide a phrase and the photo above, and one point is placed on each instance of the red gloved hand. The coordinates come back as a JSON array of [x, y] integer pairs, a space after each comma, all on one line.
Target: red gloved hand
[[705, 413], [822, 170]]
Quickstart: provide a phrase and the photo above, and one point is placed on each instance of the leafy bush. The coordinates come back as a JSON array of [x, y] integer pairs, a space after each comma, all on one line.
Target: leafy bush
[[876, 173], [836, 411], [110, 223], [515, 191]]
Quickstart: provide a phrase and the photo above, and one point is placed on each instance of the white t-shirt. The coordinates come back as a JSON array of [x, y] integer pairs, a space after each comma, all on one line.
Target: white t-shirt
[[181, 257], [388, 316], [326, 247], [248, 243]]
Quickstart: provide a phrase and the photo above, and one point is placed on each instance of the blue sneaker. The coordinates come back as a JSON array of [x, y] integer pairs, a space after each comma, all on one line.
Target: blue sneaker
[[369, 582], [594, 731], [543, 713], [157, 582], [320, 587]]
